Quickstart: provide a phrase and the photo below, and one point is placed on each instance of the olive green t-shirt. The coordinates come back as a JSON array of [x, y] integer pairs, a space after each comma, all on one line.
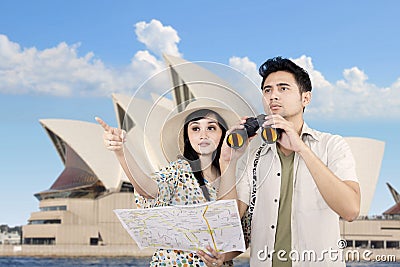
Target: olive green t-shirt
[[283, 235]]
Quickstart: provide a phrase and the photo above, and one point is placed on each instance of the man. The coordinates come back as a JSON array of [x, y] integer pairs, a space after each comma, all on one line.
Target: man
[[297, 188]]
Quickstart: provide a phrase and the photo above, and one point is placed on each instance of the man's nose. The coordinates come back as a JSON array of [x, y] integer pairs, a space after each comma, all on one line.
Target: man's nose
[[274, 95]]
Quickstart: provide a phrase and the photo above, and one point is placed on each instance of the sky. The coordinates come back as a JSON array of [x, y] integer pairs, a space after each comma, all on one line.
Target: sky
[[63, 59]]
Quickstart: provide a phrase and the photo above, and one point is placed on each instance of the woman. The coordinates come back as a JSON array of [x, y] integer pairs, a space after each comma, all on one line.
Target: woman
[[203, 171]]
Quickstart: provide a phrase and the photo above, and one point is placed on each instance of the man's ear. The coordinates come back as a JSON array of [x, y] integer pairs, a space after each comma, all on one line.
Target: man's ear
[[306, 98]]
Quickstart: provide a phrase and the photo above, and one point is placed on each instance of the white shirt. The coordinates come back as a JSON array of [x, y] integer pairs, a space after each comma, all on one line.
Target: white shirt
[[315, 227]]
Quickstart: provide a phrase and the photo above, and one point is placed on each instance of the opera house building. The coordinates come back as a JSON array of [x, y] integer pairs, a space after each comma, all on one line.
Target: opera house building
[[77, 209]]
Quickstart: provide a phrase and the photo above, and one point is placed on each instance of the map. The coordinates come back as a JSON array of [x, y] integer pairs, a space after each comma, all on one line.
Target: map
[[190, 227]]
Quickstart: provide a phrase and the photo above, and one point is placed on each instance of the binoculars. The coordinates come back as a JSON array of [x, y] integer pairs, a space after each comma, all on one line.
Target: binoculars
[[237, 138]]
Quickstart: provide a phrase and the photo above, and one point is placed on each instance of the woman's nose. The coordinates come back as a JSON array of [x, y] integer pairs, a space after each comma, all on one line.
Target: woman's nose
[[203, 134]]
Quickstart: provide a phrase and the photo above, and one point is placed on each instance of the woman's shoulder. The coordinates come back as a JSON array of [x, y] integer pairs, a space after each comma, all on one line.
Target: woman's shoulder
[[178, 166]]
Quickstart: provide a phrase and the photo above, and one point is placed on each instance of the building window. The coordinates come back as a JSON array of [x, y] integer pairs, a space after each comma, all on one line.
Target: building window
[[392, 244], [361, 243], [94, 241], [126, 187], [390, 228], [349, 243], [377, 244], [40, 241], [45, 222], [51, 208]]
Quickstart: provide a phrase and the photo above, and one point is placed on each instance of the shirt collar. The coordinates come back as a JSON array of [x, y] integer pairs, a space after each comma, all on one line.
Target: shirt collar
[[308, 132]]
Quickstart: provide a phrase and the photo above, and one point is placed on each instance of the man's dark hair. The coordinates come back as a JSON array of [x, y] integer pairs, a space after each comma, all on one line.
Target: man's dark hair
[[283, 64]]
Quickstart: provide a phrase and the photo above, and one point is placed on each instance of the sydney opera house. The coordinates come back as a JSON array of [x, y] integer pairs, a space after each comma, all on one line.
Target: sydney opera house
[[77, 209]]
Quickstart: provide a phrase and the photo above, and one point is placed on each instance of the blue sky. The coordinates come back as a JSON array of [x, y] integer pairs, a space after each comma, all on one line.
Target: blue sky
[[63, 59]]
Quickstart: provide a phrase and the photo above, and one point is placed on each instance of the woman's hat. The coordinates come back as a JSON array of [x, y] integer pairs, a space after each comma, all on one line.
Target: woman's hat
[[172, 143]]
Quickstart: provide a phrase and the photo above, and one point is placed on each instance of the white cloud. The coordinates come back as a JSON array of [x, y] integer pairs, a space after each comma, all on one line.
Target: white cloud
[[247, 67], [317, 79], [158, 38], [61, 71], [352, 97], [354, 80], [249, 84]]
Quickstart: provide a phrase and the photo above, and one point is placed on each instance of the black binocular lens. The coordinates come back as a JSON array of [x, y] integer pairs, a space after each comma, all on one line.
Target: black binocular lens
[[270, 135], [236, 139]]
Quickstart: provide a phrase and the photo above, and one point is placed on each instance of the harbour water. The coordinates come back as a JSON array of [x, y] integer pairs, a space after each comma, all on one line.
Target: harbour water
[[125, 261], [85, 261]]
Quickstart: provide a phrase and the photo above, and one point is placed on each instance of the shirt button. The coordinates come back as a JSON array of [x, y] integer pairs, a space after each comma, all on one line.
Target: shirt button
[[279, 174], [275, 200], [272, 226]]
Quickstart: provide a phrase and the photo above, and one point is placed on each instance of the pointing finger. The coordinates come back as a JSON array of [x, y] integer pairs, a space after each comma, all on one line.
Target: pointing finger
[[105, 126]]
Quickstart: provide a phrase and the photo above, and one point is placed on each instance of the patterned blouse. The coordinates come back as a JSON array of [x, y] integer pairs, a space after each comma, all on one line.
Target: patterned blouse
[[177, 186]]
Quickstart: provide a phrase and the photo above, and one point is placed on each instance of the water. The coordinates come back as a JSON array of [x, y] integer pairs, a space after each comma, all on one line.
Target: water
[[373, 264], [85, 261], [122, 261]]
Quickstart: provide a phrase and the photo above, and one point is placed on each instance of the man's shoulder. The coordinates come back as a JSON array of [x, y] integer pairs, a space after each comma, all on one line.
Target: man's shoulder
[[324, 136], [326, 140]]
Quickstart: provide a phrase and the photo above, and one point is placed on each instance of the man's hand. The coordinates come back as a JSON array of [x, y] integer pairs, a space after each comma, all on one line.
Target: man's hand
[[290, 137]]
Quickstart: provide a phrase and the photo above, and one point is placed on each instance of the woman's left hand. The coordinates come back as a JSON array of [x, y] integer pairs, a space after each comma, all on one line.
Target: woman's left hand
[[229, 154], [213, 258]]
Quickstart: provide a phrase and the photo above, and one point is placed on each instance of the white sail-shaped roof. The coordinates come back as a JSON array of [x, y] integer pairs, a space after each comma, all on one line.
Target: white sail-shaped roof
[[86, 140], [203, 83], [143, 140], [368, 154]]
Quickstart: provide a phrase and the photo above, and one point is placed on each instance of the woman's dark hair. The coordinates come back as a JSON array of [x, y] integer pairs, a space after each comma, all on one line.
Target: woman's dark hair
[[283, 64], [190, 154]]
